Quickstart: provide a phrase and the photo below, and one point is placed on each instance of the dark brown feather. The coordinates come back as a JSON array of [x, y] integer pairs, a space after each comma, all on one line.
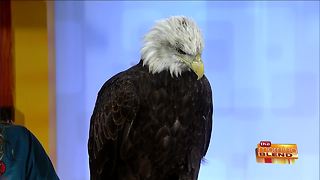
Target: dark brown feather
[[150, 127]]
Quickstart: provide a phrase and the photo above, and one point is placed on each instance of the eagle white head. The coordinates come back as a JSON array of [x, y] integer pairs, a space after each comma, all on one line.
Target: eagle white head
[[174, 44]]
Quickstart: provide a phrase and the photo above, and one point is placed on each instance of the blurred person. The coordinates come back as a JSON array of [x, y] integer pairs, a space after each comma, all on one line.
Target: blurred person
[[21, 154]]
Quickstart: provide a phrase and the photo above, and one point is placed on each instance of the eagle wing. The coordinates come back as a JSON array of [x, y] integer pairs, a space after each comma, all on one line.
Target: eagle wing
[[209, 113], [115, 110]]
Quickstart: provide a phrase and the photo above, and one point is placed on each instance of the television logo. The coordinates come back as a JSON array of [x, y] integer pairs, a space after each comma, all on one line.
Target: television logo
[[266, 152]]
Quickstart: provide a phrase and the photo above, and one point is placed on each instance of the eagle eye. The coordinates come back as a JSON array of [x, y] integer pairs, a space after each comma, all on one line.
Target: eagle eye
[[181, 51]]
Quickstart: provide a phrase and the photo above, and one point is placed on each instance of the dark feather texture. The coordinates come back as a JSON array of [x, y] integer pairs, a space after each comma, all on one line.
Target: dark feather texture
[[150, 126]]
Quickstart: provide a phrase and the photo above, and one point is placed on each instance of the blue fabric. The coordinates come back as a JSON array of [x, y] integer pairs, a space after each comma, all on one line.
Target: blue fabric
[[23, 155]]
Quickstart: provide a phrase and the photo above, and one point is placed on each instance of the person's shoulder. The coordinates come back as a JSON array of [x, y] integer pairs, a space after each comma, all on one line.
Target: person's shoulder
[[15, 134], [13, 127]]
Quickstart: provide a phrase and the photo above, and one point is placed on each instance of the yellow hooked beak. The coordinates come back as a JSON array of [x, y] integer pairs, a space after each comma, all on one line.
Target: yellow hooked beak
[[197, 66]]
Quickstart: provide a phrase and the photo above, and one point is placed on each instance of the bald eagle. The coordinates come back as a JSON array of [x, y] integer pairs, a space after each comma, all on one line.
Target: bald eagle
[[153, 121]]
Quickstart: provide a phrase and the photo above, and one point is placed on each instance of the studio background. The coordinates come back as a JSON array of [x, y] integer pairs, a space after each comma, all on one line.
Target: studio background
[[262, 60]]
